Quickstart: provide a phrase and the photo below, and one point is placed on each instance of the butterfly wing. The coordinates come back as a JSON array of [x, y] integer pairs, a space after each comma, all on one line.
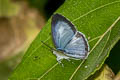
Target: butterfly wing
[[77, 47], [62, 31]]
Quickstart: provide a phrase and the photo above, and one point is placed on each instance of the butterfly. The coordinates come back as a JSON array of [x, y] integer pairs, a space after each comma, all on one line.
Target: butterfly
[[69, 42]]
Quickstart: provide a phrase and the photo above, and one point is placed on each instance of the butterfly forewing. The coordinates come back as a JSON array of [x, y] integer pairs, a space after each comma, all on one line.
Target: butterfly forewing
[[62, 31]]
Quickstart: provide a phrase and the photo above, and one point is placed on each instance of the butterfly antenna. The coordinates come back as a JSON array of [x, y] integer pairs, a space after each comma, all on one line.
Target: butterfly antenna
[[52, 49]]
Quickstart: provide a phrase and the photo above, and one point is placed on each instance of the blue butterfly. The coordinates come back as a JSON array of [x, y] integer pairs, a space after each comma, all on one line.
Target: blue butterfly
[[69, 42]]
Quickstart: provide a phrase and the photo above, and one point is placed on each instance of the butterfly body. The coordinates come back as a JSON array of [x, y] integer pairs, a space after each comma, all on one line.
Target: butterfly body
[[69, 42]]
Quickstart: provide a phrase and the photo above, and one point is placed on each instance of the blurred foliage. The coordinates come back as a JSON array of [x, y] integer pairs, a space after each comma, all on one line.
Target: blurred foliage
[[117, 77], [19, 24], [40, 4], [8, 66], [114, 58], [46, 6], [8, 8], [52, 6], [105, 73]]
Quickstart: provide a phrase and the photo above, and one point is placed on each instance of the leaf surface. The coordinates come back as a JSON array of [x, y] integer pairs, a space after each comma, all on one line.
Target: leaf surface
[[97, 19]]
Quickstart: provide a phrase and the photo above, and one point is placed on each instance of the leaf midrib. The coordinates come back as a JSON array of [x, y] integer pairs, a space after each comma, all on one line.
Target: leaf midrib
[[101, 52], [85, 60], [96, 45], [57, 62], [102, 6]]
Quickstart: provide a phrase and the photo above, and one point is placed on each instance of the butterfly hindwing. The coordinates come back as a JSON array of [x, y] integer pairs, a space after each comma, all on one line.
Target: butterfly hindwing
[[77, 47]]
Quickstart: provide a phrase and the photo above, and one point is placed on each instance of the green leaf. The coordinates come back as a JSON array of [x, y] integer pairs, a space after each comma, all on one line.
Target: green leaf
[[97, 19]]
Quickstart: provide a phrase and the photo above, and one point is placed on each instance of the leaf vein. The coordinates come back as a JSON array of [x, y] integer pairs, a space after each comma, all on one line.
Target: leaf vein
[[57, 63], [95, 9]]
